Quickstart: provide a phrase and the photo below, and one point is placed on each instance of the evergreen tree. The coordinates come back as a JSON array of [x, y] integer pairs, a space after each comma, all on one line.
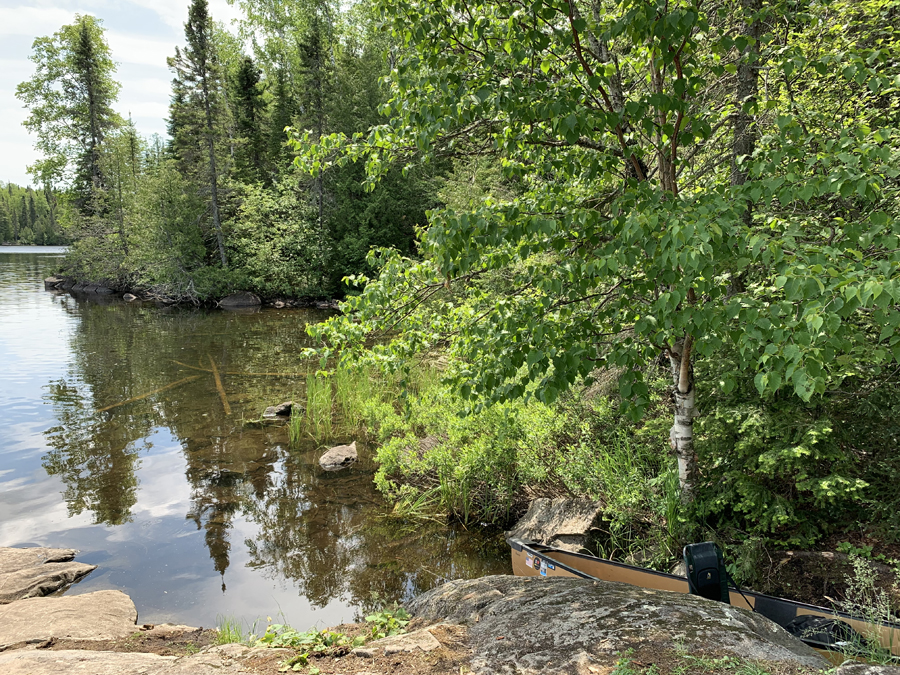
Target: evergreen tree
[[70, 99], [197, 111], [249, 111]]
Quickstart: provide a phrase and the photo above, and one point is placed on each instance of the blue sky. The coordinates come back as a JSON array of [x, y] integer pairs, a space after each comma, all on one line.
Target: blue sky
[[141, 34]]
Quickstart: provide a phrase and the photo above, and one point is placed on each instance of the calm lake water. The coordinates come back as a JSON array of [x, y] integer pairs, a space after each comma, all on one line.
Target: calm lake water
[[183, 507]]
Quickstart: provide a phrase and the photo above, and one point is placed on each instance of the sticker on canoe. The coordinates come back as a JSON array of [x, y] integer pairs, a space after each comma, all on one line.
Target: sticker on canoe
[[529, 560], [543, 568]]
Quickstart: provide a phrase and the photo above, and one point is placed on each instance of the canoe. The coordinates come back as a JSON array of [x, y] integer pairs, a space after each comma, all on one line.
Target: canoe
[[531, 559]]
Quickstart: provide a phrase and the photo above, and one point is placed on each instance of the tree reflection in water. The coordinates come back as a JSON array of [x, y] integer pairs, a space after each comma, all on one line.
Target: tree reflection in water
[[329, 533]]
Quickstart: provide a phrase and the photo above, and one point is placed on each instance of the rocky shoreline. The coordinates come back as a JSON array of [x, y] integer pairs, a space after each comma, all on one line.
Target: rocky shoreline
[[492, 625], [241, 300]]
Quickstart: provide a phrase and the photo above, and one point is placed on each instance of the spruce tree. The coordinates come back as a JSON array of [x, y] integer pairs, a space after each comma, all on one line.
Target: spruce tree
[[196, 118], [249, 111]]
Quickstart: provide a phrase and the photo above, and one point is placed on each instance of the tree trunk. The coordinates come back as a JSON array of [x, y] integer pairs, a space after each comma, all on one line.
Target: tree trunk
[[681, 436], [746, 93]]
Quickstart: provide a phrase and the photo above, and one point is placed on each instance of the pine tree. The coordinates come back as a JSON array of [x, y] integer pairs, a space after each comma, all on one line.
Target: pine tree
[[196, 111], [250, 109]]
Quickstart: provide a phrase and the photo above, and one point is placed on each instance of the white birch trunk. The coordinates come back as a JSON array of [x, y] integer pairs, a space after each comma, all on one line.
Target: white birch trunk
[[681, 436]]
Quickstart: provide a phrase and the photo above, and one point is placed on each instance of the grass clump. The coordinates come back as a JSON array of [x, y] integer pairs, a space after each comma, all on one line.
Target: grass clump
[[233, 631]]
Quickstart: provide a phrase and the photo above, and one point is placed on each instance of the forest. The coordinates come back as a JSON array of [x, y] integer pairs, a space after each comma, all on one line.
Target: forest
[[650, 247], [28, 217]]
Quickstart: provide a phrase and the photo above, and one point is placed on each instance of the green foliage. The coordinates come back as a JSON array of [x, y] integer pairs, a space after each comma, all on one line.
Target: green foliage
[[70, 99], [28, 216], [389, 621], [233, 631]]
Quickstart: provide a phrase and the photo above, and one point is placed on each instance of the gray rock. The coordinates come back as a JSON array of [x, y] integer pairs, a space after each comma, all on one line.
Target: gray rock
[[364, 652], [129, 297], [240, 300], [339, 457], [409, 642], [280, 410], [168, 630], [101, 615], [559, 625], [221, 660], [35, 572], [45, 662], [564, 523], [854, 668], [51, 283]]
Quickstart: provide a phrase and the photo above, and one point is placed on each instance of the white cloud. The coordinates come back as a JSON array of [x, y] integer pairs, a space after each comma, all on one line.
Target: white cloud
[[145, 109], [134, 49], [174, 12], [34, 21]]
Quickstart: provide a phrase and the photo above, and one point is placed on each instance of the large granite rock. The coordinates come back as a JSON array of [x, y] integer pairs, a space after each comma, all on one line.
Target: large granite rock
[[102, 615], [854, 668], [35, 572], [563, 523], [530, 625], [339, 457], [240, 300]]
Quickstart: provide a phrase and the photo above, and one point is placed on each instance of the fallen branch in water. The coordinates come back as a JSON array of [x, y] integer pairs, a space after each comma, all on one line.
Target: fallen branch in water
[[219, 386], [149, 393]]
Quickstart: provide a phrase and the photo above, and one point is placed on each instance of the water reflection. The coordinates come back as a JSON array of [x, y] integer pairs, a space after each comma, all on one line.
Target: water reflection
[[260, 522]]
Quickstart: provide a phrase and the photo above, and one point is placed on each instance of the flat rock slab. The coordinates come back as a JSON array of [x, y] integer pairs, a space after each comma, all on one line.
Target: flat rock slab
[[35, 572], [563, 523], [532, 625], [77, 662], [421, 640], [102, 615]]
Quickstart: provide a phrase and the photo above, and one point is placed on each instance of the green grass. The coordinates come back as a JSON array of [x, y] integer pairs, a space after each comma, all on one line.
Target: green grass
[[233, 631]]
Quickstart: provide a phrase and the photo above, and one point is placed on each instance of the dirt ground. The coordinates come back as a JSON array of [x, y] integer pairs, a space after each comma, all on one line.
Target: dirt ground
[[451, 659]]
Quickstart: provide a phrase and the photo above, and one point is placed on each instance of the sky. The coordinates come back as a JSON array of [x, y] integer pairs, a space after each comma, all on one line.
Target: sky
[[141, 34]]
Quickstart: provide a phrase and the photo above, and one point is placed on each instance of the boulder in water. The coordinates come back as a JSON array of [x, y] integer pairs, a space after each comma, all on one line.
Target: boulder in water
[[240, 301], [339, 457]]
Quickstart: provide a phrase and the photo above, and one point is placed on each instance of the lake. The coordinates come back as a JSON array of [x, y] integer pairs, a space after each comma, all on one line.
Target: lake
[[191, 511]]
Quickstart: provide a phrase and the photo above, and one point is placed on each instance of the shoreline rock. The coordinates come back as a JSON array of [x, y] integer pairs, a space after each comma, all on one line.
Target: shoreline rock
[[36, 572], [562, 625]]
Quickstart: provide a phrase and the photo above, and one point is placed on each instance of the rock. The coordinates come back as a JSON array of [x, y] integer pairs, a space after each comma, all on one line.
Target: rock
[[854, 668], [240, 300], [278, 304], [339, 457], [280, 410], [408, 642], [364, 652], [51, 283], [559, 625], [168, 631], [87, 287], [101, 615], [35, 572], [563, 523], [129, 297], [218, 660], [45, 662]]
